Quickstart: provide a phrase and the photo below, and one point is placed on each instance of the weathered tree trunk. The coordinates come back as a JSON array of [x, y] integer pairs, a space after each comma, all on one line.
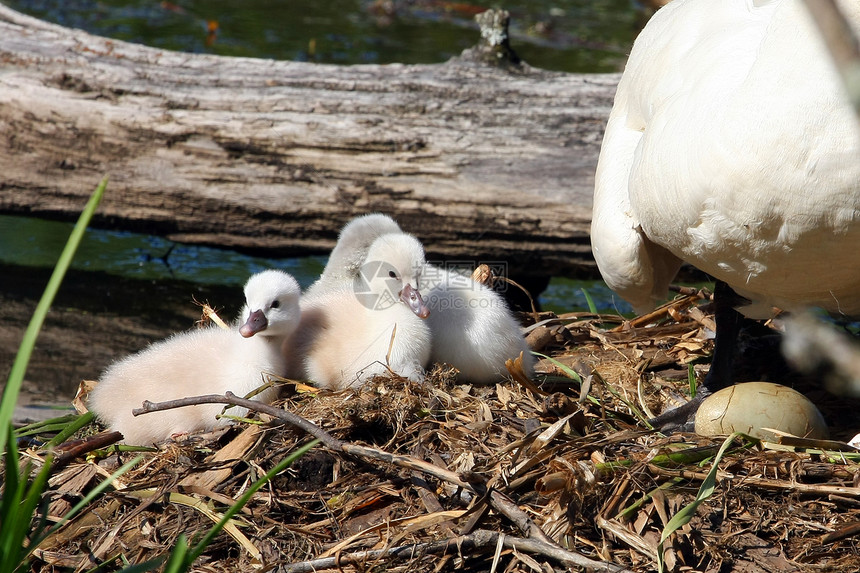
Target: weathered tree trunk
[[273, 157]]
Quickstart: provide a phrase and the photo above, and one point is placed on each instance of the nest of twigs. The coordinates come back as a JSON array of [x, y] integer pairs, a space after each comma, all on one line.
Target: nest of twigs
[[552, 474]]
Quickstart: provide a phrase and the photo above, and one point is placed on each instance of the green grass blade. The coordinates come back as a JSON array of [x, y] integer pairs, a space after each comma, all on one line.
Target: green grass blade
[[69, 430], [49, 426], [33, 499], [669, 459], [19, 506], [179, 560], [691, 378], [628, 511], [19, 503], [592, 308], [10, 501], [34, 495], [568, 371], [25, 351]]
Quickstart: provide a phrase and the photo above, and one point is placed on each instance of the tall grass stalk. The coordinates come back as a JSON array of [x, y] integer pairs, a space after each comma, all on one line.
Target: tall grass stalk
[[592, 308], [25, 351], [691, 379], [20, 501]]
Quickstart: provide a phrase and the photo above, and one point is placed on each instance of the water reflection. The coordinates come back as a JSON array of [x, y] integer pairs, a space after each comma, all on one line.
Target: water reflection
[[564, 35], [38, 243]]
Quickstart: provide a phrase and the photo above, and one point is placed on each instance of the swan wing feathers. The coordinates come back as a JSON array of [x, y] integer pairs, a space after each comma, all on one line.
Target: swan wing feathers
[[731, 146]]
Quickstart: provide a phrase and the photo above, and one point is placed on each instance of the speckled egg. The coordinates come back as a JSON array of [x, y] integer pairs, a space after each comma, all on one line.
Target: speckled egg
[[751, 406]]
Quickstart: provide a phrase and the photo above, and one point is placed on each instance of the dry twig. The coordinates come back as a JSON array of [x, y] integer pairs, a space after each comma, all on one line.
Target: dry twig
[[498, 500], [480, 539]]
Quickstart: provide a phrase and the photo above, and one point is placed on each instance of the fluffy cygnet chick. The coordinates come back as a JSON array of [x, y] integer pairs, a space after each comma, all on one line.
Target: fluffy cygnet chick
[[366, 326], [471, 325], [206, 361], [473, 328]]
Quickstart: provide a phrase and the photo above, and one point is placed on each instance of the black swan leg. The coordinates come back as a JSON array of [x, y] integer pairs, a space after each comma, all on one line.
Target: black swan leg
[[728, 321]]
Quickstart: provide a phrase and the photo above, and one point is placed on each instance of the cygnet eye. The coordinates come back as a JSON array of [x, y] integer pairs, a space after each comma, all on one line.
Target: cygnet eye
[[276, 304], [392, 274]]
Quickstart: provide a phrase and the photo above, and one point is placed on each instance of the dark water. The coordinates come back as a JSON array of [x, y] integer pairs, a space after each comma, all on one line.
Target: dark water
[[36, 243], [573, 36]]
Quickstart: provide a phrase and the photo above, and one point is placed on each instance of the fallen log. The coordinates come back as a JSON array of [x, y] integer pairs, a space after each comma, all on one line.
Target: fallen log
[[273, 157]]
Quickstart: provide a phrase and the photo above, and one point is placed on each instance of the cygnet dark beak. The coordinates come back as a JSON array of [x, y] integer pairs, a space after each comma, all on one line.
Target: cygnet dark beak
[[257, 322], [413, 300]]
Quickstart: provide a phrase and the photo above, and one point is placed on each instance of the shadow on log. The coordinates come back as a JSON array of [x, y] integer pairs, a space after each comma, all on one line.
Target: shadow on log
[[273, 157]]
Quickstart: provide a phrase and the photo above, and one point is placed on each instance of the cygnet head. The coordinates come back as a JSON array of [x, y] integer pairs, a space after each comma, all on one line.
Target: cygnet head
[[271, 305], [363, 230], [391, 273]]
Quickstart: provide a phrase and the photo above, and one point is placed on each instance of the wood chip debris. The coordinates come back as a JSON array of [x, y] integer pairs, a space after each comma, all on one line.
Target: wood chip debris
[[556, 473]]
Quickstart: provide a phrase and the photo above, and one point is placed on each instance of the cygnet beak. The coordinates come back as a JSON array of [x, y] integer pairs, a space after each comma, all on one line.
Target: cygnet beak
[[257, 322], [413, 300]]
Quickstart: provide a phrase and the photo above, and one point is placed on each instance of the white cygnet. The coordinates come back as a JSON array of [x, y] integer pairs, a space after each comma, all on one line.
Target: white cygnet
[[210, 360], [472, 327], [370, 325]]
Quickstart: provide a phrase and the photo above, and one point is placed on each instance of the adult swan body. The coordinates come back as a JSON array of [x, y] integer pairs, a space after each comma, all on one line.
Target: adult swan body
[[732, 146]]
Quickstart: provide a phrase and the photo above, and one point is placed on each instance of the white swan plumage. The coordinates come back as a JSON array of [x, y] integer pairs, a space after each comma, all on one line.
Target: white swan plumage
[[731, 146], [210, 360]]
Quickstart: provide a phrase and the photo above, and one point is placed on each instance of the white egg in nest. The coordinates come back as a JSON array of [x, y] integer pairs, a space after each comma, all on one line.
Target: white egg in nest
[[750, 407]]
